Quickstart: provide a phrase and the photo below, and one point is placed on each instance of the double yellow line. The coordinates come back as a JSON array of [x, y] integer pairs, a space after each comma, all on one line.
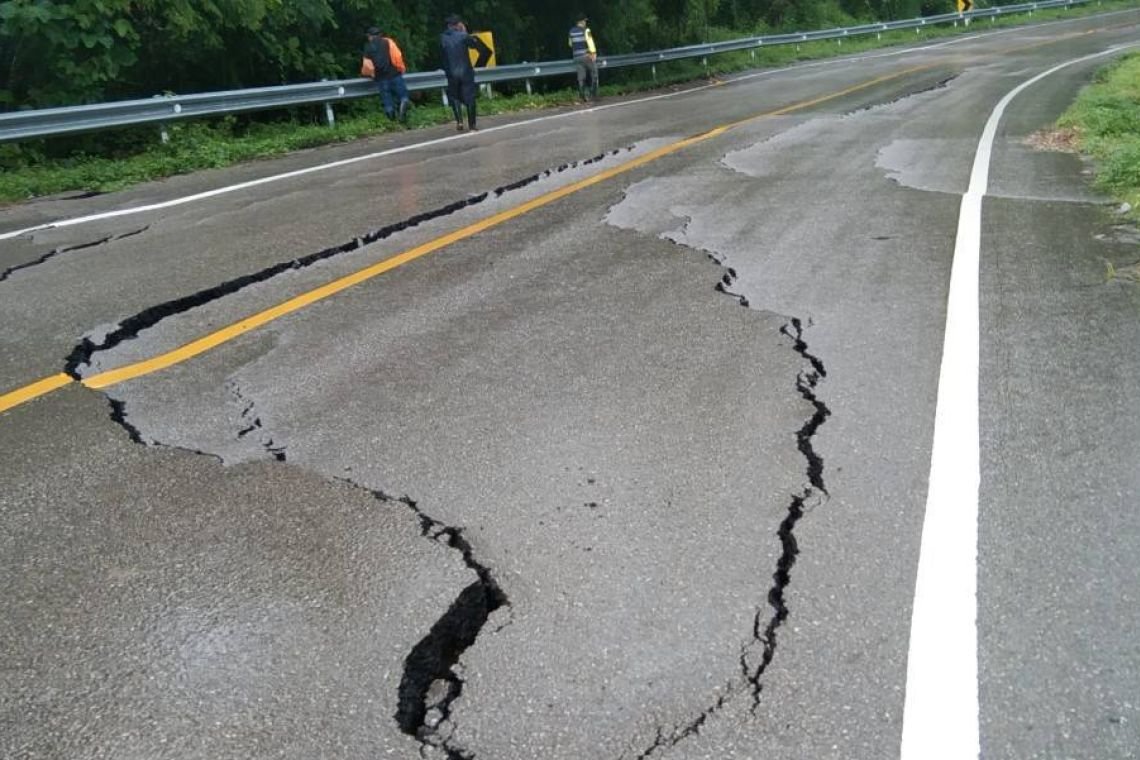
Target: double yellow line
[[226, 334]]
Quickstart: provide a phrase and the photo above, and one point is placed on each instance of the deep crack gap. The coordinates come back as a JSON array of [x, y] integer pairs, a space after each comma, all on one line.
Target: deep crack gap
[[766, 632], [434, 657], [130, 327]]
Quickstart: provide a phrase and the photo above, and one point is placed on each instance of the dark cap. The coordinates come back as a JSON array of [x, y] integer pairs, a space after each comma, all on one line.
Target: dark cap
[[580, 17], [453, 19], [373, 31]]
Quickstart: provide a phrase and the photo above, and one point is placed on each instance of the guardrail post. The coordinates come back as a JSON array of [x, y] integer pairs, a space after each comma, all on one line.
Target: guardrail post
[[330, 117], [529, 91], [653, 68], [705, 63], [163, 133]]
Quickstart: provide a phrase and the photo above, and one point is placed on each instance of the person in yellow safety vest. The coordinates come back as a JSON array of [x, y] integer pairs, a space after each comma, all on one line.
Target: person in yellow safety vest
[[585, 57]]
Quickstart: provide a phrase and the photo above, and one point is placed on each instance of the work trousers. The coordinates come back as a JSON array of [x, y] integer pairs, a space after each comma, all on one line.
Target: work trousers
[[393, 92], [461, 91], [587, 71]]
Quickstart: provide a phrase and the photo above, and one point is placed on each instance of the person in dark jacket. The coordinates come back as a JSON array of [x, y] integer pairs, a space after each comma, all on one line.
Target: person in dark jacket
[[585, 57], [388, 65], [453, 45]]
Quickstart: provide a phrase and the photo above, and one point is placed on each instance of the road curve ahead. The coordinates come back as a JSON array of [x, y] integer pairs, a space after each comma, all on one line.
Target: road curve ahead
[[743, 421]]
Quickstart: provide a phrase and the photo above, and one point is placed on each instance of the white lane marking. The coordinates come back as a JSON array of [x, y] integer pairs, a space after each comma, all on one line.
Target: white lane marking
[[343, 162], [941, 713], [439, 141]]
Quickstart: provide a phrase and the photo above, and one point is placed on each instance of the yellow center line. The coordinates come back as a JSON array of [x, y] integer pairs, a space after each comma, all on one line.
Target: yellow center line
[[252, 322], [33, 390]]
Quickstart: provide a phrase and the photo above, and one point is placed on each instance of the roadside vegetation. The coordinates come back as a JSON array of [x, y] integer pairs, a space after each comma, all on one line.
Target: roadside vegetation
[[113, 160], [1104, 122]]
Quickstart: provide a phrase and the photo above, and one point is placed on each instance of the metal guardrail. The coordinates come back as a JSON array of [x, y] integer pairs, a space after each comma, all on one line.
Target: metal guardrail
[[47, 122]]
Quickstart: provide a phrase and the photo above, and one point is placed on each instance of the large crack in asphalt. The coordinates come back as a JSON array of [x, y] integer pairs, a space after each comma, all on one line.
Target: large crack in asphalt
[[432, 677], [69, 249], [130, 327], [768, 620], [764, 631], [431, 681]]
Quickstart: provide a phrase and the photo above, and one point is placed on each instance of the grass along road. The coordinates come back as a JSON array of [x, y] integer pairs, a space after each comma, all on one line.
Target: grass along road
[[1104, 122]]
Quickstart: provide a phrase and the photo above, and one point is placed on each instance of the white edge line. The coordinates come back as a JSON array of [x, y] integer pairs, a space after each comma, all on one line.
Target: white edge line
[[941, 710], [332, 165], [439, 141]]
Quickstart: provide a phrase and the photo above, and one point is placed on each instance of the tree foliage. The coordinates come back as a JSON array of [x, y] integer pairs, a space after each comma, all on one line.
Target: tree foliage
[[65, 52]]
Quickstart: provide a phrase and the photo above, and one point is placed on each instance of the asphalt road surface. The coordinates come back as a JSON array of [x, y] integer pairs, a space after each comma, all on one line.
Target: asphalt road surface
[[600, 434]]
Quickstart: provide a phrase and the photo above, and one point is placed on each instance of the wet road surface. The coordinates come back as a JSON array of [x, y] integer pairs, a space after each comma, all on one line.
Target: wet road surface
[[635, 469]]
